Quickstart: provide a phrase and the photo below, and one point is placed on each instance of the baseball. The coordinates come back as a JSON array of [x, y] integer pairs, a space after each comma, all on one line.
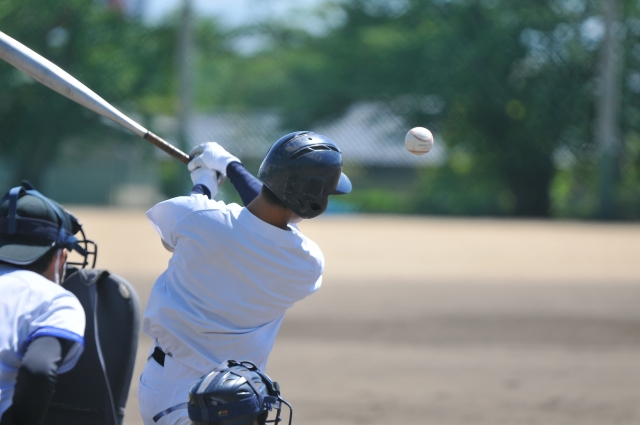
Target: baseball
[[418, 141]]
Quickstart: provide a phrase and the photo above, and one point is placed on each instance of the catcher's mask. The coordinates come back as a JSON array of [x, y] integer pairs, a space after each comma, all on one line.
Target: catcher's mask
[[302, 169], [32, 224], [236, 393]]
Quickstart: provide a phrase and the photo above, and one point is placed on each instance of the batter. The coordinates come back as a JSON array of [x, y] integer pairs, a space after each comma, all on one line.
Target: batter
[[234, 270]]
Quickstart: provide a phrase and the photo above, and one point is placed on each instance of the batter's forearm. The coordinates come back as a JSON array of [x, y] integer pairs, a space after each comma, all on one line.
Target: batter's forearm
[[247, 186], [200, 189]]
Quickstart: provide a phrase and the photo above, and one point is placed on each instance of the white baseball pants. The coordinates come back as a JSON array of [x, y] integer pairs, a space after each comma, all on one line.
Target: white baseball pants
[[162, 387]]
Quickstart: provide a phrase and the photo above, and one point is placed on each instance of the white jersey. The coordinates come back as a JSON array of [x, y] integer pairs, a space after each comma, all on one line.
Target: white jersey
[[31, 306], [229, 282]]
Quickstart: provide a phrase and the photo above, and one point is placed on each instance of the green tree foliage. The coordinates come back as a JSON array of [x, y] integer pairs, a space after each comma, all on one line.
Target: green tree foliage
[[126, 63], [515, 81]]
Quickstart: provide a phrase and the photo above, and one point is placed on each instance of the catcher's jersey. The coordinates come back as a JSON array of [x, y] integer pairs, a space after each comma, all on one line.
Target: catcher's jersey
[[32, 306], [229, 282]]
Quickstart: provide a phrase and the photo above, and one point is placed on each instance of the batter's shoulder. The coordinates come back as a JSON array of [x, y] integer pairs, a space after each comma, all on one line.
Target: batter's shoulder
[[312, 248]]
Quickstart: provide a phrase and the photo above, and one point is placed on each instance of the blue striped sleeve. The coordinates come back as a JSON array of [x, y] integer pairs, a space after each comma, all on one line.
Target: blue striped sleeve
[[51, 331]]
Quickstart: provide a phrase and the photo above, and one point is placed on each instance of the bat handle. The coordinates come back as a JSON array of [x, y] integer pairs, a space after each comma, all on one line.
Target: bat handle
[[167, 147]]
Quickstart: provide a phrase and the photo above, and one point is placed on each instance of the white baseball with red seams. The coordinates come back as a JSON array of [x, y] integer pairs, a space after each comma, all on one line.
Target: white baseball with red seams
[[418, 140]]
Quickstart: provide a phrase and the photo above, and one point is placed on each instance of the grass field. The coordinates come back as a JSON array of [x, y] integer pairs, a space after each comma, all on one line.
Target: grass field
[[441, 321]]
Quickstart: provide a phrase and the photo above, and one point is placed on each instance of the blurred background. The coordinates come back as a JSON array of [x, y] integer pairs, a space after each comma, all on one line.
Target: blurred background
[[534, 106], [493, 280]]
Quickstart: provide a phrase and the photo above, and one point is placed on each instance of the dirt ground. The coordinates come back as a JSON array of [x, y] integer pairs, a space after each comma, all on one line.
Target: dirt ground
[[441, 321]]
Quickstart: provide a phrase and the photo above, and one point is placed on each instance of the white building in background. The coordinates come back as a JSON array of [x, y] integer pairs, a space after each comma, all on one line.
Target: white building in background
[[369, 134]]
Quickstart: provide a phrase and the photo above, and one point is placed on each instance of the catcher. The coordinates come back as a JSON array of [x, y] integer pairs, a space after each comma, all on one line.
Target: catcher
[[41, 324]]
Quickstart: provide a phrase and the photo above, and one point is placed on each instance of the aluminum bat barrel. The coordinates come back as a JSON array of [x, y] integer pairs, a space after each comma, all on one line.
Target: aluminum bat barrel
[[52, 76]]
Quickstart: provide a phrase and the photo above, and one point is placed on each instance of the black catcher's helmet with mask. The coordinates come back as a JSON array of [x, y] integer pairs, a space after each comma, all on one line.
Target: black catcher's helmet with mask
[[236, 393], [302, 169], [32, 224]]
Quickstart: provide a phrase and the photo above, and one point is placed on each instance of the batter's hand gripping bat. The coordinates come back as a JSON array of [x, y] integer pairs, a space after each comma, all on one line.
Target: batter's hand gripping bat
[[56, 79]]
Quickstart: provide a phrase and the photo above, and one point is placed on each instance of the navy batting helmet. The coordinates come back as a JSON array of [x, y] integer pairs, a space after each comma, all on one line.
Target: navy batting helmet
[[32, 224], [236, 393], [302, 169]]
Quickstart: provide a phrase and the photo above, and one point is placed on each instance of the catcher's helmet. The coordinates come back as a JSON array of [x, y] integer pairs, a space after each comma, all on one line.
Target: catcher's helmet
[[32, 224], [302, 169], [236, 393]]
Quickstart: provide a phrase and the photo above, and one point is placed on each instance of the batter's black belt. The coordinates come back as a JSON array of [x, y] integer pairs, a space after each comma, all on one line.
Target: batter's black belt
[[158, 355]]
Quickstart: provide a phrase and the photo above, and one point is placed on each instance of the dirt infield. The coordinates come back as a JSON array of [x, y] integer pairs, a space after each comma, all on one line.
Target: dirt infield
[[442, 321]]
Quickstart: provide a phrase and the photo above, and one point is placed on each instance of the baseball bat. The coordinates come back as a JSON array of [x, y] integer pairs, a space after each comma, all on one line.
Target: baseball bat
[[52, 76]]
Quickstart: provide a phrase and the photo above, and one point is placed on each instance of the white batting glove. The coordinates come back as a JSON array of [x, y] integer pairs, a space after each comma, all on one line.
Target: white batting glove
[[207, 177], [211, 155]]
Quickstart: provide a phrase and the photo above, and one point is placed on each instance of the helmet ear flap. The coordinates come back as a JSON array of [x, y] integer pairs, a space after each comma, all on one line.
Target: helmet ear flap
[[306, 196]]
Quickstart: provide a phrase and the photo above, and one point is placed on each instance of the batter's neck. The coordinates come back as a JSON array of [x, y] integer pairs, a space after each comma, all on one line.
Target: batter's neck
[[269, 213]]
